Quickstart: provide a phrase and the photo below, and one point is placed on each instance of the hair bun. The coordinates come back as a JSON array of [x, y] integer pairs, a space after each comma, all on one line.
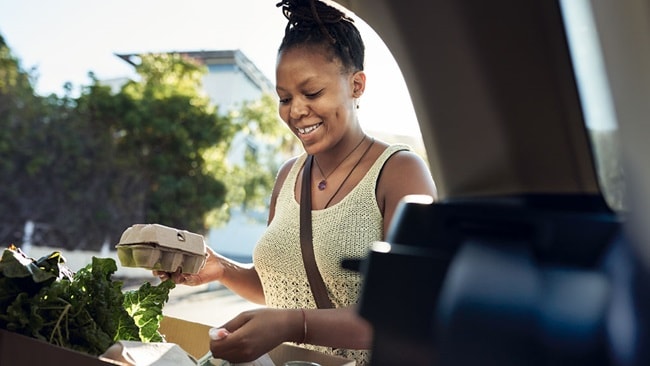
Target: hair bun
[[310, 13], [316, 22]]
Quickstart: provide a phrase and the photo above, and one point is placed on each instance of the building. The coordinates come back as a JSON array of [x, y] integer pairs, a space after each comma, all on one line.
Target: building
[[231, 79]]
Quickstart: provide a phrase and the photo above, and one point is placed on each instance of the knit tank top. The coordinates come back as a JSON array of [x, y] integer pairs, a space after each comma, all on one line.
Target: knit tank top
[[342, 231]]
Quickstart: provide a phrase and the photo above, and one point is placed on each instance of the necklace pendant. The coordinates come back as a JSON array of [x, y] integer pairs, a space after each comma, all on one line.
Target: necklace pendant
[[322, 185]]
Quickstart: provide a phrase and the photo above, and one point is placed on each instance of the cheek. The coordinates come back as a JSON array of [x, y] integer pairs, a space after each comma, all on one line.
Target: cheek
[[344, 112], [283, 111]]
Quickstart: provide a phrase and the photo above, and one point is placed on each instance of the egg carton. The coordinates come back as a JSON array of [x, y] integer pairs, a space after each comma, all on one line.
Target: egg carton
[[161, 248]]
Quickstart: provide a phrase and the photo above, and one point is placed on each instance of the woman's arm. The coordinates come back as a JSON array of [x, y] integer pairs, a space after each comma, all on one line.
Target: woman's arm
[[337, 328], [240, 278], [254, 333]]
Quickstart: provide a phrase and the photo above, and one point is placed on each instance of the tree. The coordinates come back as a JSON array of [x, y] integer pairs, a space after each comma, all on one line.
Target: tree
[[250, 177], [160, 126], [23, 125], [86, 168]]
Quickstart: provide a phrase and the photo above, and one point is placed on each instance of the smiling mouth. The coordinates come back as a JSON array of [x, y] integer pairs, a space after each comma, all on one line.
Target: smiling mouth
[[310, 129]]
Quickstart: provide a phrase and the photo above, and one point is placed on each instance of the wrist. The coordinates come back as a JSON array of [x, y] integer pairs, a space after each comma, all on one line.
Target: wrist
[[211, 270], [299, 326], [304, 326]]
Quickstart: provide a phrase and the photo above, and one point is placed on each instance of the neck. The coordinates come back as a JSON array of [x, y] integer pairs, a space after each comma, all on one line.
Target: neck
[[331, 159]]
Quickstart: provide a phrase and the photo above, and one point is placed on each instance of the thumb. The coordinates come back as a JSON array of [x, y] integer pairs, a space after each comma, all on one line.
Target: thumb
[[218, 333]]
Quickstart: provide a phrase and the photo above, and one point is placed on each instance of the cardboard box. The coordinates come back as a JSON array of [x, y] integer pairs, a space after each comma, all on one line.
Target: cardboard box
[[19, 350]]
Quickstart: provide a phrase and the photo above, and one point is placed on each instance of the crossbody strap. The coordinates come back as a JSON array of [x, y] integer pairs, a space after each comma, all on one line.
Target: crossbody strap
[[314, 277]]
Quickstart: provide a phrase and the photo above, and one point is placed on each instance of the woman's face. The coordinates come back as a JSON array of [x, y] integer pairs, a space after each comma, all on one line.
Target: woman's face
[[317, 99]]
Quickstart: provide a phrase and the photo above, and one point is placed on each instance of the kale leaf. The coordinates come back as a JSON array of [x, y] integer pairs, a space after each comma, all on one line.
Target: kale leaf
[[145, 306], [87, 311]]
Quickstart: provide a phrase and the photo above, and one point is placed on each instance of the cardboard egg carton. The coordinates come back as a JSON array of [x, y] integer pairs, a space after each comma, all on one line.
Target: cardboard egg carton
[[161, 248]]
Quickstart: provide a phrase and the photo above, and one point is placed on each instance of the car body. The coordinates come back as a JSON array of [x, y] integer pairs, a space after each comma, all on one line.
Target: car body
[[523, 259]]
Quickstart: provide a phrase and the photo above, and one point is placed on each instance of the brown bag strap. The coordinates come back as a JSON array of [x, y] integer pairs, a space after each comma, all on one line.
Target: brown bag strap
[[306, 246]]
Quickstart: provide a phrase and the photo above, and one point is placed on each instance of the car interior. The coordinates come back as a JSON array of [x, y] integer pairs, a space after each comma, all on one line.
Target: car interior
[[524, 259]]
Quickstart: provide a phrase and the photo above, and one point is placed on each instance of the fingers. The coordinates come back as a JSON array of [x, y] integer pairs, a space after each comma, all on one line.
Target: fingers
[[222, 347], [239, 321], [233, 347], [162, 275], [178, 277], [250, 335], [232, 342], [218, 333], [183, 279]]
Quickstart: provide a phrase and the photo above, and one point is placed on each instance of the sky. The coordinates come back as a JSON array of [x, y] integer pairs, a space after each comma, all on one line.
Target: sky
[[66, 39]]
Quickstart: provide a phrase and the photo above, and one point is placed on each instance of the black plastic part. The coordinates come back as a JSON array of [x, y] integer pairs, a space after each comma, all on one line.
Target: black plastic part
[[515, 280]]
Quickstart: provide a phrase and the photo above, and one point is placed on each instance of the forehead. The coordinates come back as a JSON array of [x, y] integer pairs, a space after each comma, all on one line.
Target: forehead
[[308, 57]]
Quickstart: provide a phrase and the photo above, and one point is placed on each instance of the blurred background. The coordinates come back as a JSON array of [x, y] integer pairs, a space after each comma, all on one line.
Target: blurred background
[[118, 113]]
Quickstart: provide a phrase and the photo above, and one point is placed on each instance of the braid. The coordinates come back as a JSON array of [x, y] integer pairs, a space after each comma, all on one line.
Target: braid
[[312, 22]]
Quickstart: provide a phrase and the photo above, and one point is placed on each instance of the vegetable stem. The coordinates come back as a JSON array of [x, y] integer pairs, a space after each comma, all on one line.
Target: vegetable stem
[[57, 326]]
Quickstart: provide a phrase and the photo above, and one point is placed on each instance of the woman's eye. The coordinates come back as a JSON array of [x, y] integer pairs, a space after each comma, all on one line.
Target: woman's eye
[[314, 95], [284, 100]]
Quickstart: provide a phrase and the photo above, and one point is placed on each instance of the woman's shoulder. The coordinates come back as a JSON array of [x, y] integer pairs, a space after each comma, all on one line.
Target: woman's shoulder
[[285, 168], [400, 153], [284, 171], [396, 153], [402, 161], [401, 158], [280, 178]]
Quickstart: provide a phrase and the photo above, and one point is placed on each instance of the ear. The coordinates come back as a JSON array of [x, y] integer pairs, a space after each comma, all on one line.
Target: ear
[[358, 84]]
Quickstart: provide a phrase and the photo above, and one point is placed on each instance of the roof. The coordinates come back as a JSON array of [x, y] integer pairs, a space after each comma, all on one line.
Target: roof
[[219, 57]]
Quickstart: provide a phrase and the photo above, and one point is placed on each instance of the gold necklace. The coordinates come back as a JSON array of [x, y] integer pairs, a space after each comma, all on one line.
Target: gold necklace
[[323, 183], [350, 172]]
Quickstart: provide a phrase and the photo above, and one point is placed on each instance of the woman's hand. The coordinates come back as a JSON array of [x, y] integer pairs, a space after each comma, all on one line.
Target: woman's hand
[[253, 333], [211, 271]]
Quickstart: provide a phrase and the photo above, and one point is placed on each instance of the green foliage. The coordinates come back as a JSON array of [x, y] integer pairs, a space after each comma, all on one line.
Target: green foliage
[[52, 165], [86, 311], [145, 305], [266, 144], [87, 167], [12, 78], [160, 127]]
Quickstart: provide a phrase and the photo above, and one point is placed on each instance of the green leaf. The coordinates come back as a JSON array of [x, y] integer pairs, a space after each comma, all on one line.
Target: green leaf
[[86, 311], [145, 306]]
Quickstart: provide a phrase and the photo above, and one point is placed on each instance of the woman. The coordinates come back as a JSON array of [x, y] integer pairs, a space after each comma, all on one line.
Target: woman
[[356, 184]]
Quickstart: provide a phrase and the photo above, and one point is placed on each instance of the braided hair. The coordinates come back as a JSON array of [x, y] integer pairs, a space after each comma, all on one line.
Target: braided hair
[[312, 22]]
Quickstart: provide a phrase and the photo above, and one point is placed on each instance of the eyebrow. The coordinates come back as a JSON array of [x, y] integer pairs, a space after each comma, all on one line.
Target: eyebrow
[[302, 84]]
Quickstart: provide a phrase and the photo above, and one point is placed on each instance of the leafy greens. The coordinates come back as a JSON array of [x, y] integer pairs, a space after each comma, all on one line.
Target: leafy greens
[[86, 311]]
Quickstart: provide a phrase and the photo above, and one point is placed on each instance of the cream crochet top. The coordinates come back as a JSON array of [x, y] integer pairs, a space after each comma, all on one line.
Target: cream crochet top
[[341, 231]]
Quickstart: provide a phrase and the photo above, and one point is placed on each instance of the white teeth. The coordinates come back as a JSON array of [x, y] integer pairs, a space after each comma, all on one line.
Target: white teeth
[[309, 129]]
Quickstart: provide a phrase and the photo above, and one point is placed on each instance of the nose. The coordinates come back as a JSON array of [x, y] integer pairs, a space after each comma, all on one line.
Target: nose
[[298, 109]]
